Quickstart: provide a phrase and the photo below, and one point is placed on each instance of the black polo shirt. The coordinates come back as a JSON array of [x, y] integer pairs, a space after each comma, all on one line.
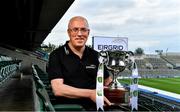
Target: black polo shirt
[[76, 72]]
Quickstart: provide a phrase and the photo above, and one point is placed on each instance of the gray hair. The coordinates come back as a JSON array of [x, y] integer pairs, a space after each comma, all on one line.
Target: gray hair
[[78, 18]]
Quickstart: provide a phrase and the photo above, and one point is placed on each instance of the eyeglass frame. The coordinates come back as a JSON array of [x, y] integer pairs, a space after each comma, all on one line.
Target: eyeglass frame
[[76, 30]]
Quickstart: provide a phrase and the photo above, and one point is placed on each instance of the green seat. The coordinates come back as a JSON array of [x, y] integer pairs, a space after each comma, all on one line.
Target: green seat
[[47, 106], [68, 107], [44, 100], [45, 103]]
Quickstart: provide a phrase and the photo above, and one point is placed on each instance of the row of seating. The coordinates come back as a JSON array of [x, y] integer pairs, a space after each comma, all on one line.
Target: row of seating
[[7, 68], [153, 63], [43, 91], [5, 58], [157, 102], [174, 59], [157, 63]]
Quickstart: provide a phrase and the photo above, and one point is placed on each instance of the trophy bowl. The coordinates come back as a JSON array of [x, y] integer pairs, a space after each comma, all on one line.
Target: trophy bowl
[[116, 62]]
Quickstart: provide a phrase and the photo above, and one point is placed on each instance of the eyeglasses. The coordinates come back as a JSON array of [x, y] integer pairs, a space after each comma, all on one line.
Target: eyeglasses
[[82, 30]]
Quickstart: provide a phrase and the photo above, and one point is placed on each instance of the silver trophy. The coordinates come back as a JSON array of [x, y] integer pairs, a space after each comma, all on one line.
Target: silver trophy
[[116, 62]]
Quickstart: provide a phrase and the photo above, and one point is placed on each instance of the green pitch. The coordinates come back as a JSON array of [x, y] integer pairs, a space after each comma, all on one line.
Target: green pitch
[[167, 84]]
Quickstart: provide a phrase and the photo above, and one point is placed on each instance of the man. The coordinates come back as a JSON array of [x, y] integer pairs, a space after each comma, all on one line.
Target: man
[[73, 67]]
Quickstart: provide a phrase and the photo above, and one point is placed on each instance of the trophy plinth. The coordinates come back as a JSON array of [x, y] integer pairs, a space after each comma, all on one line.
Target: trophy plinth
[[116, 96]]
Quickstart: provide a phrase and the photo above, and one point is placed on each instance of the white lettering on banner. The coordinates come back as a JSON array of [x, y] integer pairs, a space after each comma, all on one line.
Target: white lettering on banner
[[110, 47], [101, 43]]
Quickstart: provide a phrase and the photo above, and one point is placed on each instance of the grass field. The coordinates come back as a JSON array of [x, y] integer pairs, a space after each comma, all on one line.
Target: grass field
[[167, 84]]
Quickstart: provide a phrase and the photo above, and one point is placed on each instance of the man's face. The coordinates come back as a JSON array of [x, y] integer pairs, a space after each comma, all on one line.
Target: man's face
[[78, 33]]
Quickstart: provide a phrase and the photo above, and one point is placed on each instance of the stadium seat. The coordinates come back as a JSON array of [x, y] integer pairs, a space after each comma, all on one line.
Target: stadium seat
[[44, 99]]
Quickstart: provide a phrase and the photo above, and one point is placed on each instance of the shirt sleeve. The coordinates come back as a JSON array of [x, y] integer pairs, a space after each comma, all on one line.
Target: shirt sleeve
[[54, 68]]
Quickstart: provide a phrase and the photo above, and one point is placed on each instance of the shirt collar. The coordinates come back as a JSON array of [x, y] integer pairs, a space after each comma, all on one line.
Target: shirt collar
[[68, 51]]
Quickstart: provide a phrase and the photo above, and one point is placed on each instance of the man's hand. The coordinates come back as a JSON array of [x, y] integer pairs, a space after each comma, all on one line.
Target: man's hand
[[107, 101], [93, 95], [107, 81]]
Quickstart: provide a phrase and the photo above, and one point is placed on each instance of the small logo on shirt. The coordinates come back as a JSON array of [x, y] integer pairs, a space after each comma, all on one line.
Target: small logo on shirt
[[90, 66], [66, 51]]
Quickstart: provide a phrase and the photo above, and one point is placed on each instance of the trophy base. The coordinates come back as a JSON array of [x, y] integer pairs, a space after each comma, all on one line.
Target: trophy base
[[116, 96]]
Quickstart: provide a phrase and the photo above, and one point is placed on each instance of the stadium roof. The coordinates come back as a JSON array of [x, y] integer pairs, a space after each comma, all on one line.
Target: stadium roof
[[26, 23]]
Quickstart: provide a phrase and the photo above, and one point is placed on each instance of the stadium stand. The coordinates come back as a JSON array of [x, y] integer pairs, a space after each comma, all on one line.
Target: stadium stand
[[157, 102], [172, 58], [141, 63], [154, 66], [7, 67], [157, 63]]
